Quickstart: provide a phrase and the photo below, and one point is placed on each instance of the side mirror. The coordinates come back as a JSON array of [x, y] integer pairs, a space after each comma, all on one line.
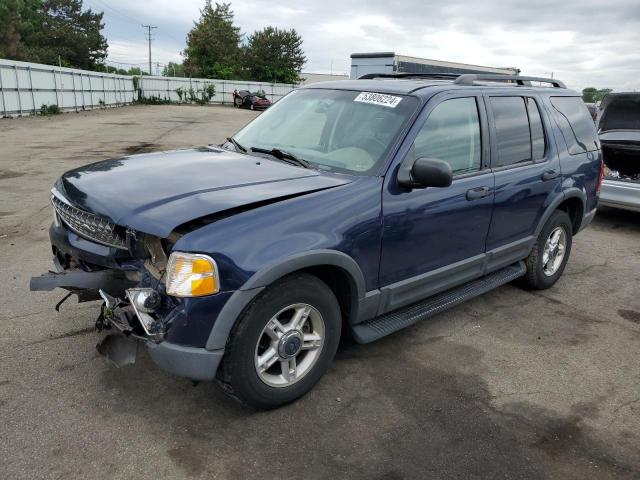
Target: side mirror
[[427, 172]]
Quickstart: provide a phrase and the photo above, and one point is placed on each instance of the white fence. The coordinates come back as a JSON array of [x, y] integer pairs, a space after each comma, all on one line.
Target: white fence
[[165, 88], [25, 87]]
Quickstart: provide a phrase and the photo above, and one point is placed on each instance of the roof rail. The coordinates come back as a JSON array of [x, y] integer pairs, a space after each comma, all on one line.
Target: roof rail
[[435, 75], [471, 78]]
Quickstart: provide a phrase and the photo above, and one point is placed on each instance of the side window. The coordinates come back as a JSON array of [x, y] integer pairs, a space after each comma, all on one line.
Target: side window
[[512, 130], [537, 131], [575, 124], [452, 133]]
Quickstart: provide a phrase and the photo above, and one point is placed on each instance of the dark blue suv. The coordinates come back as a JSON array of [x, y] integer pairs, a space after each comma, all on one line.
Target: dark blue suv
[[358, 206]]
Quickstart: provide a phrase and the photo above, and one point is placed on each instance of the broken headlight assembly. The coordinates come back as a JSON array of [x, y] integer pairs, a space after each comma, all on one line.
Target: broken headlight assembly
[[191, 275]]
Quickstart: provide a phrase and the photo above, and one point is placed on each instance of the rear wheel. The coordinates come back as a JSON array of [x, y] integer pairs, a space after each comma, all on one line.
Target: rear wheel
[[550, 253], [284, 342]]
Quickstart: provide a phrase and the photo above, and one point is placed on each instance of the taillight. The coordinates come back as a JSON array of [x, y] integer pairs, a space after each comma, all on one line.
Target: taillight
[[600, 176]]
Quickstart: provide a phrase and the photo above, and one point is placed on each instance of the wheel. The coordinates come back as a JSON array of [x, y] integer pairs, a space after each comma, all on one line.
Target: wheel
[[283, 343], [237, 102], [550, 253]]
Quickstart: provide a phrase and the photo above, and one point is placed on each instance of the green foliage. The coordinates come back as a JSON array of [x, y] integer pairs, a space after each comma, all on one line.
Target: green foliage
[[52, 31], [214, 50], [593, 95], [153, 100], [180, 92], [48, 110], [192, 95], [213, 45], [274, 55], [173, 70]]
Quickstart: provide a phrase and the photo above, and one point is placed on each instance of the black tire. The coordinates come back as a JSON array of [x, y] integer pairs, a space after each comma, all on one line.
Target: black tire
[[237, 373], [237, 102], [536, 277]]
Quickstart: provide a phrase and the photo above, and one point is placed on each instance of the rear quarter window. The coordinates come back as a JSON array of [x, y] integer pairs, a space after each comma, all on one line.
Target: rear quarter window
[[576, 124]]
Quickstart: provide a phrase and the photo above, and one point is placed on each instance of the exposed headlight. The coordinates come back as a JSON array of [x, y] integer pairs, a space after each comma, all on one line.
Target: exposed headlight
[[191, 275]]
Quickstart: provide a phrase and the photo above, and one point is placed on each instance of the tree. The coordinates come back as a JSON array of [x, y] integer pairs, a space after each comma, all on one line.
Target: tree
[[173, 70], [213, 44], [274, 55], [588, 94], [52, 31], [593, 95]]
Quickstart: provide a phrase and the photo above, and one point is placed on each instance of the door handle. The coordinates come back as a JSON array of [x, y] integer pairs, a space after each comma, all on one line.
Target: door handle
[[476, 193], [550, 175]]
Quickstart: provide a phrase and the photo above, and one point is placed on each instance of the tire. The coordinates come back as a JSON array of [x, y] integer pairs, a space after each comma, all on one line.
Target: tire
[[237, 102], [254, 338], [544, 271]]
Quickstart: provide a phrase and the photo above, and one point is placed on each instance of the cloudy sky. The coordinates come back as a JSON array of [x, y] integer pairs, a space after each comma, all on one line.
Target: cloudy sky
[[584, 42]]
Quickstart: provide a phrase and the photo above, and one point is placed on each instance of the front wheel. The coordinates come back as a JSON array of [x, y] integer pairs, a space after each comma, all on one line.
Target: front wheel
[[284, 342], [550, 253]]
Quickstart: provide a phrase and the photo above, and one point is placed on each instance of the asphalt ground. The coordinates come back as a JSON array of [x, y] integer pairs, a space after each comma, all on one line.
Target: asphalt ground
[[514, 384]]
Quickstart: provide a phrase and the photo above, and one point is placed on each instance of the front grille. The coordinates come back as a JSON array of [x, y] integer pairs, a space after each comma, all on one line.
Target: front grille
[[89, 225]]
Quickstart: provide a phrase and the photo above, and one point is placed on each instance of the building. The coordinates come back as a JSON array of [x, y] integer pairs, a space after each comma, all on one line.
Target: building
[[390, 62], [308, 78]]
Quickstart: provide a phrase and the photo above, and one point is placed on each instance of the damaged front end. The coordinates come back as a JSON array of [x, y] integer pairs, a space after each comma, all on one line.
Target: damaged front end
[[132, 321], [97, 260]]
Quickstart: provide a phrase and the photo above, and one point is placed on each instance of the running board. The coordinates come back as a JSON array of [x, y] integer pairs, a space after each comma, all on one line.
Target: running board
[[384, 325]]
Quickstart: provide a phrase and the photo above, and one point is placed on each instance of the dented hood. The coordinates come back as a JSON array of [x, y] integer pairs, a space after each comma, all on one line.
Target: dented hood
[[157, 192]]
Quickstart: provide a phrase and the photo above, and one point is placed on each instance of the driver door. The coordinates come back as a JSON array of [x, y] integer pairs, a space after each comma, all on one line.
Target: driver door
[[434, 238]]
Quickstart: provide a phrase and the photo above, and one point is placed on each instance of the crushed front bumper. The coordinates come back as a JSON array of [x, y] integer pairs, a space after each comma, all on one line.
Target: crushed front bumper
[[121, 348]]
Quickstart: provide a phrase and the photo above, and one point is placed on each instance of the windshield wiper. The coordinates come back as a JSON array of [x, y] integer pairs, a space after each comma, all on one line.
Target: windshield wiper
[[236, 144], [284, 156]]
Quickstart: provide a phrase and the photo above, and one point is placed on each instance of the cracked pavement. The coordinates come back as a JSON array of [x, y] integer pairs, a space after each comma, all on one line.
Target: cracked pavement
[[514, 384]]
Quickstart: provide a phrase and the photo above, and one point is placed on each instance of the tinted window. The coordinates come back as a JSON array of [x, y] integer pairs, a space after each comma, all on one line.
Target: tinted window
[[575, 123], [512, 130], [452, 133], [537, 132]]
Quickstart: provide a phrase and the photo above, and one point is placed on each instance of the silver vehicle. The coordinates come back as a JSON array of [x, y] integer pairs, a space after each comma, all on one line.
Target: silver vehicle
[[619, 132]]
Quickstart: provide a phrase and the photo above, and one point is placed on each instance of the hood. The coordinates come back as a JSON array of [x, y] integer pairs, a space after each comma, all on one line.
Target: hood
[[620, 111], [155, 193]]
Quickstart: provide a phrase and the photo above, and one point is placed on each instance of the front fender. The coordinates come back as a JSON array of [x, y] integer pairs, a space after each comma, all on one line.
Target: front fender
[[261, 279]]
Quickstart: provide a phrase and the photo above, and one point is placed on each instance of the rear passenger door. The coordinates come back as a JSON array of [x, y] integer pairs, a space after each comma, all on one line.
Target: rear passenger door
[[527, 174]]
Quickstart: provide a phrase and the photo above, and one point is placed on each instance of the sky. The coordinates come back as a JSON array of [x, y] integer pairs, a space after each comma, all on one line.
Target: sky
[[582, 42]]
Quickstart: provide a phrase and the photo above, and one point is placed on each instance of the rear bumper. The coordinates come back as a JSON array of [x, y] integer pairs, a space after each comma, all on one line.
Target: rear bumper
[[624, 195]]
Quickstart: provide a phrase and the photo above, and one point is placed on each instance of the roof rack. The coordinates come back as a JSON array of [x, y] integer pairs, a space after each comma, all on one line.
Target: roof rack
[[435, 75], [471, 78]]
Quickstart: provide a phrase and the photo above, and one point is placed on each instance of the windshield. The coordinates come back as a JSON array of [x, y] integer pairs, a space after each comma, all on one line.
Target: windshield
[[345, 131]]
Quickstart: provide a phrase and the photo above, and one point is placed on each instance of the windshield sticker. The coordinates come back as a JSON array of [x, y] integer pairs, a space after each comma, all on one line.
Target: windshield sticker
[[378, 99]]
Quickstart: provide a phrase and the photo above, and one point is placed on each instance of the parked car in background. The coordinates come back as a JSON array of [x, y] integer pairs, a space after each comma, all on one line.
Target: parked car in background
[[619, 132], [352, 207], [252, 101], [593, 110]]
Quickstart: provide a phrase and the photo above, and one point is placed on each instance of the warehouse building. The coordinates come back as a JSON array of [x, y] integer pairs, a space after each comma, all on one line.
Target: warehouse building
[[390, 62]]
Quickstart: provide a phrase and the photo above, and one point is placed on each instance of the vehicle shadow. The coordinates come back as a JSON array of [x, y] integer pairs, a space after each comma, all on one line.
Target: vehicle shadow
[[381, 412]]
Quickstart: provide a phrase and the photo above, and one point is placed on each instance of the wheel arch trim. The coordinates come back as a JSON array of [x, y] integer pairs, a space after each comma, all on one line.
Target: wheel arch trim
[[238, 301], [573, 192]]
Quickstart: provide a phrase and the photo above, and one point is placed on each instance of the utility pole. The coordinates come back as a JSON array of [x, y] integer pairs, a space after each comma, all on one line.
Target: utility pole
[[149, 37]]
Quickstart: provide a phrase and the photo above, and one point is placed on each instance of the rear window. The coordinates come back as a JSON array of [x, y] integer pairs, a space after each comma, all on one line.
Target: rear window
[[575, 123], [537, 132]]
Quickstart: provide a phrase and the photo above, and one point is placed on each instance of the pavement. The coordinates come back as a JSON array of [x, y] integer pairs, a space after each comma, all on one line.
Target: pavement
[[514, 384]]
